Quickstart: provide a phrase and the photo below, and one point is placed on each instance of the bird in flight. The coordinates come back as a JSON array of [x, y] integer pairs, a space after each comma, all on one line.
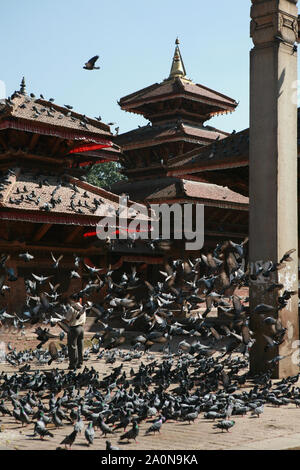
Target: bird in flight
[[90, 65]]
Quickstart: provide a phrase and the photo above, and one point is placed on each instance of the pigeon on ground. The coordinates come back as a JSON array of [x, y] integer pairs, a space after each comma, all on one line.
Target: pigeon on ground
[[258, 411], [69, 439], [156, 426], [224, 424], [110, 447], [89, 433], [132, 433], [53, 352]]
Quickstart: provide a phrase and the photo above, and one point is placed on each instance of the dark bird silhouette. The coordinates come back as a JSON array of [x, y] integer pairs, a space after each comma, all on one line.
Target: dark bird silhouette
[[53, 352], [286, 256], [69, 440], [43, 336], [132, 433], [104, 427]]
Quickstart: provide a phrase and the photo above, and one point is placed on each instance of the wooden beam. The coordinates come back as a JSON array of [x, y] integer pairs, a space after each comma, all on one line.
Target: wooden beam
[[225, 234], [33, 141], [31, 247], [73, 234], [41, 231], [206, 166], [5, 155], [55, 146], [3, 143], [41, 158], [228, 213], [212, 215], [235, 219], [181, 145]]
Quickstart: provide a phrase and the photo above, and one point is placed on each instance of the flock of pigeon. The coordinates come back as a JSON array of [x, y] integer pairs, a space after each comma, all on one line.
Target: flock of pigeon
[[200, 378], [47, 194]]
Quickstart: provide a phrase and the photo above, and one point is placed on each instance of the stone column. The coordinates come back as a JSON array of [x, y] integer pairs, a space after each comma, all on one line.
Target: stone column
[[273, 173]]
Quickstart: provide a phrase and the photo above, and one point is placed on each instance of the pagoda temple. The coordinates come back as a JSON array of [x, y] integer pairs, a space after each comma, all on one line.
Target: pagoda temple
[[177, 110], [47, 207]]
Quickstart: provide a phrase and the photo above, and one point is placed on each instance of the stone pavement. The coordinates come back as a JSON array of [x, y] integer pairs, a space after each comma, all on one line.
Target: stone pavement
[[276, 428]]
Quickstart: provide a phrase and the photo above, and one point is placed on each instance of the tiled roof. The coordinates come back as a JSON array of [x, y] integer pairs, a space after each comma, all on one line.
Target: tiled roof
[[42, 112], [175, 87], [212, 191], [230, 149], [169, 130], [171, 188], [20, 191]]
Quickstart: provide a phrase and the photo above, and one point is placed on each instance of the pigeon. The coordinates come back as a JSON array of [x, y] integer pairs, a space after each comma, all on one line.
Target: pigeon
[[258, 411], [78, 426], [91, 269], [56, 420], [26, 256], [89, 433], [41, 278], [224, 424], [23, 417], [3, 409], [40, 429], [263, 308], [155, 427], [110, 447], [56, 261], [286, 256], [43, 336], [69, 439], [90, 65], [132, 433], [53, 352], [104, 427], [191, 416], [11, 275]]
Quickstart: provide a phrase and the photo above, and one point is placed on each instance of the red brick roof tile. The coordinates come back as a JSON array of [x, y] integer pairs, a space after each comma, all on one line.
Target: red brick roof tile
[[22, 193]]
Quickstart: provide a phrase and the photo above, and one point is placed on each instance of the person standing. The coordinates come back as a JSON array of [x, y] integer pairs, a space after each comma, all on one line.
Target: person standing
[[75, 319]]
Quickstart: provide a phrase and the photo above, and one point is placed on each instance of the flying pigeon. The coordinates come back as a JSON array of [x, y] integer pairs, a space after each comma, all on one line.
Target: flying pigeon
[[90, 65]]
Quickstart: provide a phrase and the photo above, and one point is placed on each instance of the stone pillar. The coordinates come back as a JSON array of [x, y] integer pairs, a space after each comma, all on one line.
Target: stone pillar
[[273, 173]]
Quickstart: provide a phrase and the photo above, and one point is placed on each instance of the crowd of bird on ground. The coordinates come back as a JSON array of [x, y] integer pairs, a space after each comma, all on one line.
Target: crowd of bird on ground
[[204, 376]]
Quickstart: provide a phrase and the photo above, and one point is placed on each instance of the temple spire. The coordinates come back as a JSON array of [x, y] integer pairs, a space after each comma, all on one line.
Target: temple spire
[[23, 87], [177, 68]]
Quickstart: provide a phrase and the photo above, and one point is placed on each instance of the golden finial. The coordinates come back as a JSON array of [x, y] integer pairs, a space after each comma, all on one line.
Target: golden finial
[[177, 68]]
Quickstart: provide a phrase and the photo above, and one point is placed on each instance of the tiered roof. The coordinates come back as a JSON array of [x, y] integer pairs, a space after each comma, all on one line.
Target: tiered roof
[[204, 102], [173, 131], [38, 114], [172, 189], [34, 196], [41, 119], [177, 109]]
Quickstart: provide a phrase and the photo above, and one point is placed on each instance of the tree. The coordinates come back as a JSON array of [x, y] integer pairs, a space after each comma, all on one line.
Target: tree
[[105, 174]]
